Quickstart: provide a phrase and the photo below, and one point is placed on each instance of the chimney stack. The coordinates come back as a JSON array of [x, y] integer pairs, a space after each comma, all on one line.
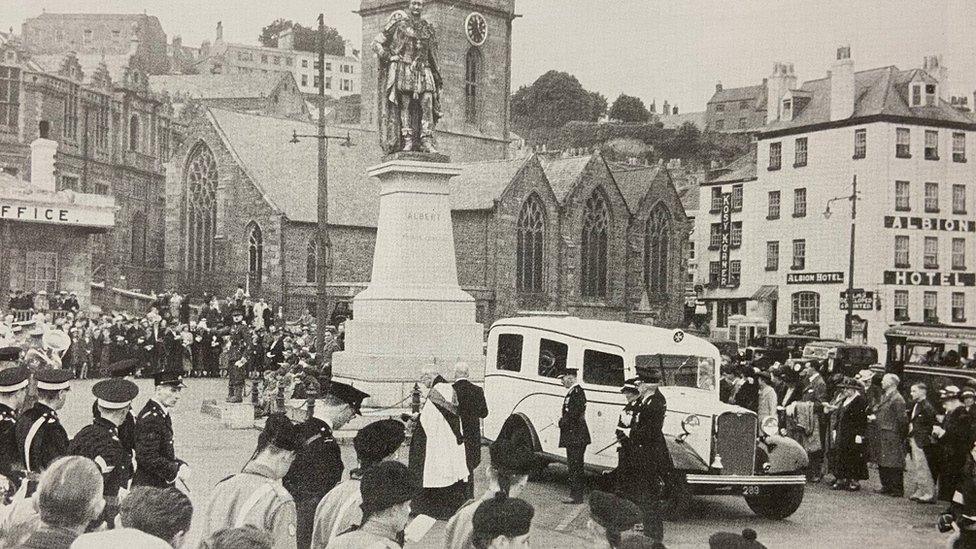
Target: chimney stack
[[782, 80], [220, 31], [667, 108], [842, 87], [42, 164], [718, 87], [674, 110], [932, 64]]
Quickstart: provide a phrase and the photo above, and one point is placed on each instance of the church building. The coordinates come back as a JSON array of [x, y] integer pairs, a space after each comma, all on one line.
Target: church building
[[540, 233]]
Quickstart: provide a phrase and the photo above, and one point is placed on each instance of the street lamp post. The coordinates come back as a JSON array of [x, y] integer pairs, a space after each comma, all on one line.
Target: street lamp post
[[853, 197], [324, 244]]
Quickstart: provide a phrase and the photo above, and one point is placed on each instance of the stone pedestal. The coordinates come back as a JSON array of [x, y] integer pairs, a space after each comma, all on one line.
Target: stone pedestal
[[413, 314]]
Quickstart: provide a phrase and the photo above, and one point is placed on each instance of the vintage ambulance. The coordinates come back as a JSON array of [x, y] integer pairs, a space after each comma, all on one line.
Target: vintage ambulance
[[716, 448]]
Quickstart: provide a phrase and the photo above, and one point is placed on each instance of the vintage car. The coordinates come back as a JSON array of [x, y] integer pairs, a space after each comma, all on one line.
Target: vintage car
[[840, 357], [717, 448], [934, 354]]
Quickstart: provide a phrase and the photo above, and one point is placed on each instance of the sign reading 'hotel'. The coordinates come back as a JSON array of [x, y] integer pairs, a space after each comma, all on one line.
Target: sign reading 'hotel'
[[930, 224], [814, 278], [923, 278]]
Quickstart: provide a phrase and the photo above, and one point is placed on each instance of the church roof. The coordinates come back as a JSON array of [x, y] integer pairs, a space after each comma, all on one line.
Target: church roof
[[564, 173], [634, 182], [286, 173], [218, 86], [481, 183]]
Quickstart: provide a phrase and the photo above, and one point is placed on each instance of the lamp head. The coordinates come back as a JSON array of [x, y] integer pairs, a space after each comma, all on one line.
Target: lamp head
[[827, 213]]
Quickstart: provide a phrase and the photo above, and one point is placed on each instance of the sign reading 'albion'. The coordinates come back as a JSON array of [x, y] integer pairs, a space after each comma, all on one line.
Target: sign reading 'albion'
[[930, 224], [923, 278], [814, 278]]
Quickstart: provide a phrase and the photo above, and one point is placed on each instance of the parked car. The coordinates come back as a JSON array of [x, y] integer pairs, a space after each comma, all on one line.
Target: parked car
[[840, 357], [934, 354], [725, 347], [780, 347], [714, 446]]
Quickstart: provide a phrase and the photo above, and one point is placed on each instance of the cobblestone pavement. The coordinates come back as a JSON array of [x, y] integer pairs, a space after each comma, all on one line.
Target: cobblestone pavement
[[826, 519]]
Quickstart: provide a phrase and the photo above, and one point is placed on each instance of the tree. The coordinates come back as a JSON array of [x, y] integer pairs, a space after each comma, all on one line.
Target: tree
[[554, 99], [304, 39], [629, 109]]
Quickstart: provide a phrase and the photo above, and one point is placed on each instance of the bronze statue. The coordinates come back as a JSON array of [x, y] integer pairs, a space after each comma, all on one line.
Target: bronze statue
[[409, 98]]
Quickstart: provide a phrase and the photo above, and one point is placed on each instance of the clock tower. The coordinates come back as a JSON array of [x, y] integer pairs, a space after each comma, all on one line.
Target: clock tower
[[474, 55]]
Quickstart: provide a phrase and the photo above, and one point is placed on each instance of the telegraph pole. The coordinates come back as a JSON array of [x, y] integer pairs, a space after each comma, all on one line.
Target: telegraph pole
[[324, 243]]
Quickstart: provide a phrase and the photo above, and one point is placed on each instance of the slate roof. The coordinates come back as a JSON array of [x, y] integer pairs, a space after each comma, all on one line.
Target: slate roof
[[217, 86], [880, 91], [689, 199], [480, 183], [634, 182], [287, 173], [745, 93], [740, 169], [563, 173], [115, 63]]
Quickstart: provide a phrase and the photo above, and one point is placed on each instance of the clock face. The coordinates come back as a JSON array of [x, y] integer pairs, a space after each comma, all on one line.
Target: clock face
[[476, 28]]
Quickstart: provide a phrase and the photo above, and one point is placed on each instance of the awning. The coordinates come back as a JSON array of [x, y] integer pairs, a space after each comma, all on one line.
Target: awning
[[769, 292]]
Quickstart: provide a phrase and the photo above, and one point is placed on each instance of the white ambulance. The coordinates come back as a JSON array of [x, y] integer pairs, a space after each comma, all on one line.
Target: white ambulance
[[717, 448]]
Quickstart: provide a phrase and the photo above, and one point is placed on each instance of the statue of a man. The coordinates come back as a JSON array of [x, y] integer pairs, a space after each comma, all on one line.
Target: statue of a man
[[409, 81]]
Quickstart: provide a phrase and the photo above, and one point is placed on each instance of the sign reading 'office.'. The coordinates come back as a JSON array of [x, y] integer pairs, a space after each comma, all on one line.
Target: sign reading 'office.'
[[814, 278], [67, 215]]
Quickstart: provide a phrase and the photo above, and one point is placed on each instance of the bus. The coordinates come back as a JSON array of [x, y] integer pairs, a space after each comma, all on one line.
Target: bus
[[935, 354]]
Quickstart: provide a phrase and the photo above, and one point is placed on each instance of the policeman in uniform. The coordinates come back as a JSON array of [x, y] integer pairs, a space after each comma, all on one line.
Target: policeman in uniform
[[237, 356], [100, 441], [40, 435], [255, 496], [156, 463], [624, 423], [650, 469], [574, 435], [127, 430], [13, 392], [318, 465]]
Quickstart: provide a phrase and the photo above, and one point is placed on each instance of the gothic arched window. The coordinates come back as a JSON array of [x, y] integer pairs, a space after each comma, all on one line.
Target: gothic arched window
[[138, 239], [593, 246], [472, 83], [657, 250], [255, 251], [311, 261], [531, 243], [201, 206]]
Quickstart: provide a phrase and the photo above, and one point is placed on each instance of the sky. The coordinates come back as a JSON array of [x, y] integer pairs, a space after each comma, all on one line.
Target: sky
[[657, 50]]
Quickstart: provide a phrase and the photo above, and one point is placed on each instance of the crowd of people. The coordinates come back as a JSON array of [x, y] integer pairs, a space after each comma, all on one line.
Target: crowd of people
[[923, 448], [42, 301]]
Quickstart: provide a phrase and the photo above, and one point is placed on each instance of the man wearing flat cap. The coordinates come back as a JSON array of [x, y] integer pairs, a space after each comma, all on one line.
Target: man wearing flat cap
[[340, 509], [955, 439], [255, 496], [387, 490], [13, 393], [40, 435], [649, 472], [100, 440], [574, 435], [508, 474], [318, 464], [156, 462]]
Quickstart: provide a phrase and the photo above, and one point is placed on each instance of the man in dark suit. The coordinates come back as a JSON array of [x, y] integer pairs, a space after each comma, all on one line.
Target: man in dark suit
[[472, 408], [920, 422], [574, 435], [156, 462], [651, 460]]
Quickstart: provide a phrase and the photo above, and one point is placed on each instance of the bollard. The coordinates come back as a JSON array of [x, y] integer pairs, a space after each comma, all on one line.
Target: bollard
[[310, 403], [280, 398], [415, 399]]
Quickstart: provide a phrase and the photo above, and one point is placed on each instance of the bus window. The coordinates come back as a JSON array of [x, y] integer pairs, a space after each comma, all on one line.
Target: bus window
[[552, 357], [603, 368], [681, 370], [509, 356]]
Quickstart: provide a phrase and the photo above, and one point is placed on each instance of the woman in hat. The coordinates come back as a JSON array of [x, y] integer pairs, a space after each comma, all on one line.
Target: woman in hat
[[847, 457]]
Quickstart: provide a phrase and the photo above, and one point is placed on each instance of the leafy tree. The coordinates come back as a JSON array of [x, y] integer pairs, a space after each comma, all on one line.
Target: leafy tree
[[304, 39], [554, 99], [628, 108]]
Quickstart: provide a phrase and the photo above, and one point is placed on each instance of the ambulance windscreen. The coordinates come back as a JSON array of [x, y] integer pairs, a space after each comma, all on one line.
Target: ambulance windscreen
[[680, 370]]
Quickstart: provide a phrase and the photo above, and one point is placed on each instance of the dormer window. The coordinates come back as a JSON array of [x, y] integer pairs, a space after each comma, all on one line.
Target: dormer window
[[924, 95], [930, 94], [917, 95], [787, 109]]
